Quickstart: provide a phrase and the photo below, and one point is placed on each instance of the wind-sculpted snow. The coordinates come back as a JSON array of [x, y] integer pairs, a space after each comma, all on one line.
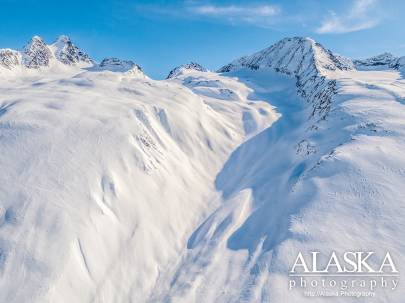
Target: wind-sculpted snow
[[104, 176], [294, 188], [200, 188]]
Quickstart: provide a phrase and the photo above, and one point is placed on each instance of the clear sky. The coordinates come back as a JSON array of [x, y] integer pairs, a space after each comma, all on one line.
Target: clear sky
[[158, 35]]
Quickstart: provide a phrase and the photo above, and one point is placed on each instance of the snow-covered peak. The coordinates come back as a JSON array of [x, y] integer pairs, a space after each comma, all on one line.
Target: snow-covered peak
[[313, 66], [36, 53], [292, 56], [9, 58], [121, 66], [382, 61], [68, 53], [186, 67]]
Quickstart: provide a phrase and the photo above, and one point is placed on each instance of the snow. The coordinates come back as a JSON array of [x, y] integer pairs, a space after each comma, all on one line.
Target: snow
[[104, 176], [199, 188], [36, 53], [68, 53], [192, 66], [118, 65], [294, 201], [379, 62]]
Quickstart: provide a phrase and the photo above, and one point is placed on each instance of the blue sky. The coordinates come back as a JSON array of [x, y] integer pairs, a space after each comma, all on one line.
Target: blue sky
[[159, 35]]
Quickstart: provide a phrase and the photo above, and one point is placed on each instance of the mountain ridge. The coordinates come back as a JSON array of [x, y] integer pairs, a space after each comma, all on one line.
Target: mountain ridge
[[310, 54], [308, 61]]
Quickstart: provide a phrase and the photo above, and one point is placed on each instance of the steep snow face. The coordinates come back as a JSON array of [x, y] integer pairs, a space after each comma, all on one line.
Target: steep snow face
[[379, 62], [68, 53], [311, 64], [9, 58], [192, 66], [36, 53], [105, 176]]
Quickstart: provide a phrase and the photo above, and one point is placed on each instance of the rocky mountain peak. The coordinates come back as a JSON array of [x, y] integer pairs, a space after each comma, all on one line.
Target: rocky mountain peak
[[9, 58], [68, 53], [309, 62], [36, 53], [292, 56]]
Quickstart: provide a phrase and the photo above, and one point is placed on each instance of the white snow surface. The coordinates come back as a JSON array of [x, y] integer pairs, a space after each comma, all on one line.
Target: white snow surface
[[201, 188]]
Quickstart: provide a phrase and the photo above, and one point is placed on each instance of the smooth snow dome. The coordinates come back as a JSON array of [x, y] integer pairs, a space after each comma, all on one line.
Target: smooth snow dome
[[192, 66], [202, 187], [118, 65]]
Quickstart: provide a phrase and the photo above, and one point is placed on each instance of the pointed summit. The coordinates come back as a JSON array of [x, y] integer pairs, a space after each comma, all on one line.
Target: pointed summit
[[307, 61], [292, 56], [36, 53], [189, 66], [68, 53]]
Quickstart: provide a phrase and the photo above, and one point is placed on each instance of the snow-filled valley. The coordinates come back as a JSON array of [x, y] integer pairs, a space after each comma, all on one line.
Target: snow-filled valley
[[202, 187]]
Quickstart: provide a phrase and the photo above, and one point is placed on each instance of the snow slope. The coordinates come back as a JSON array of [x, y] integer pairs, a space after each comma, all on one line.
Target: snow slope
[[302, 186], [104, 174], [199, 188]]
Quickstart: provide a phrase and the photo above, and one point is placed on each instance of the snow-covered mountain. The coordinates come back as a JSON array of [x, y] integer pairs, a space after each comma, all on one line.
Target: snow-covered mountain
[[118, 65], [313, 66], [184, 68], [36, 53], [202, 187], [68, 53], [382, 61], [9, 58]]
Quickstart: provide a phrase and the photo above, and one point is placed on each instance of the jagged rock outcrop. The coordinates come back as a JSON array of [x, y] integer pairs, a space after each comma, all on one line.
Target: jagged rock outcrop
[[308, 61], [189, 66], [9, 58], [36, 53], [68, 53]]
